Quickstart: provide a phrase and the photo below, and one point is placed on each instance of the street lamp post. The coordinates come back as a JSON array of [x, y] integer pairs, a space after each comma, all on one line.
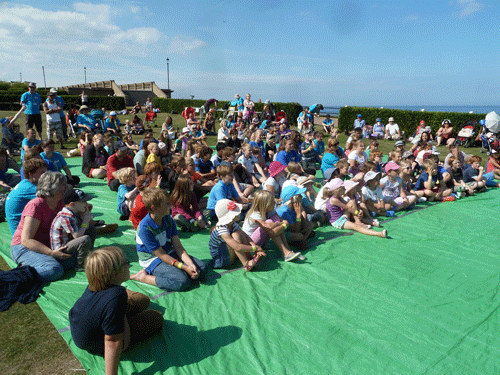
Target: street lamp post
[[168, 75], [44, 82], [85, 73]]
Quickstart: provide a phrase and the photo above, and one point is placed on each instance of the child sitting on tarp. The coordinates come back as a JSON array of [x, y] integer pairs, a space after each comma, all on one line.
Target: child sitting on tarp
[[126, 192], [165, 261], [108, 318], [228, 241]]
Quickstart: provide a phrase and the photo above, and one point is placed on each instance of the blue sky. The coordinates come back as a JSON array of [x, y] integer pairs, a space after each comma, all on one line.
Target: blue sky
[[338, 52]]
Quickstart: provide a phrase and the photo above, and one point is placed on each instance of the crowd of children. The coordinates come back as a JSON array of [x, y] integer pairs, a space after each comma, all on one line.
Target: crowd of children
[[246, 195]]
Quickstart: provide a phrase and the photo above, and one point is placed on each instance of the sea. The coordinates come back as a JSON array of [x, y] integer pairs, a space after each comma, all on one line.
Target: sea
[[334, 111]]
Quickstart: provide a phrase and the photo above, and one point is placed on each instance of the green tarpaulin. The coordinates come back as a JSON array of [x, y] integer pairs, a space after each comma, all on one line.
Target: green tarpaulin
[[423, 301]]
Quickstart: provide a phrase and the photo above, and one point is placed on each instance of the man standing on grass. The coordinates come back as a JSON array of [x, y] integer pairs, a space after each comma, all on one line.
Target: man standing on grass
[[60, 101], [32, 100], [52, 111]]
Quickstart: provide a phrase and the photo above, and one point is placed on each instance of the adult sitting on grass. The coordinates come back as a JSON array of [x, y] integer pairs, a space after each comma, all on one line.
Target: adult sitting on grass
[[8, 181], [108, 318], [445, 134], [95, 158], [29, 142], [58, 160], [10, 140], [25, 191], [31, 241], [120, 159], [112, 124], [333, 153], [86, 121]]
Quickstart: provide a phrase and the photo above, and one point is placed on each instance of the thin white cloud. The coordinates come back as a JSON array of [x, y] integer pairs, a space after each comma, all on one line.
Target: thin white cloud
[[182, 44], [469, 7]]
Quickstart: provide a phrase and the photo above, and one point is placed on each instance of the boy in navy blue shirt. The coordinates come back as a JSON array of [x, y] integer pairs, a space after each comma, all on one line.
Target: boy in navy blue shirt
[[108, 317]]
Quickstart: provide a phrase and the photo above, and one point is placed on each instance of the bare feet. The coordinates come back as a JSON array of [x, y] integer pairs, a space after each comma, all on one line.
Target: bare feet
[[383, 234], [139, 276]]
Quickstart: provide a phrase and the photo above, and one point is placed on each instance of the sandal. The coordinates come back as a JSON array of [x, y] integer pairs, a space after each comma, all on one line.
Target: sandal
[[252, 262]]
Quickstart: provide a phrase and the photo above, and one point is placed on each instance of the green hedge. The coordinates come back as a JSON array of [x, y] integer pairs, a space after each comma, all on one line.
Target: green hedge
[[407, 120], [10, 101], [292, 110]]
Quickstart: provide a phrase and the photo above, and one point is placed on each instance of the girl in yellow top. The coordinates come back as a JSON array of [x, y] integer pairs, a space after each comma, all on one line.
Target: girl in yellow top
[[154, 157]]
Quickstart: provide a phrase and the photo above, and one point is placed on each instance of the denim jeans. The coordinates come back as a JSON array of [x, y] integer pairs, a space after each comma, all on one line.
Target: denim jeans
[[173, 279], [49, 268], [489, 177]]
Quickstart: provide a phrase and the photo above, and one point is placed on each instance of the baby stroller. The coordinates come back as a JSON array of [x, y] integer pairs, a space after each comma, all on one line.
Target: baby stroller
[[489, 136], [99, 117], [71, 117], [150, 119], [466, 135]]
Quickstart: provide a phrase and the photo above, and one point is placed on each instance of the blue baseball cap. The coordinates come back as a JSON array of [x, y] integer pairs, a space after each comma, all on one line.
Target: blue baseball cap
[[290, 191], [359, 115], [328, 173], [3, 121]]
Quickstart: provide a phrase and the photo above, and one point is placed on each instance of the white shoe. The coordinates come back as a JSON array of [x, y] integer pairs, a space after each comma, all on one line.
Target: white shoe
[[422, 199]]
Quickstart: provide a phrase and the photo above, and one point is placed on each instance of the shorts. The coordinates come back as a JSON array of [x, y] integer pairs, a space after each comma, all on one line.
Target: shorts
[[54, 127], [260, 236], [35, 120], [339, 223], [220, 257], [243, 186]]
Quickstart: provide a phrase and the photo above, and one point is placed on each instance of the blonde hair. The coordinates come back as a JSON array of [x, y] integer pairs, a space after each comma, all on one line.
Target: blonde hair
[[224, 170], [124, 174], [428, 164], [101, 265], [263, 200]]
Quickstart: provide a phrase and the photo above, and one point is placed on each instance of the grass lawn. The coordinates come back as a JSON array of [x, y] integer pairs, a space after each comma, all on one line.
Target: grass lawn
[[30, 344]]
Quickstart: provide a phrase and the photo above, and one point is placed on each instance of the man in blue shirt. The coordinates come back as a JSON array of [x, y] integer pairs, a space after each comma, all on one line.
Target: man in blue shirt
[[86, 121], [31, 101], [288, 154], [359, 122], [239, 102]]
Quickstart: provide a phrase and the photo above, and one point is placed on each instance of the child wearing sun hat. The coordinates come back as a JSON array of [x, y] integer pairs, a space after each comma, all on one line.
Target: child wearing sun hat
[[228, 241]]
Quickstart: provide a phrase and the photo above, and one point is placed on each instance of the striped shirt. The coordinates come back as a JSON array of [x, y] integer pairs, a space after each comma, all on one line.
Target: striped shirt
[[64, 225], [216, 241]]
